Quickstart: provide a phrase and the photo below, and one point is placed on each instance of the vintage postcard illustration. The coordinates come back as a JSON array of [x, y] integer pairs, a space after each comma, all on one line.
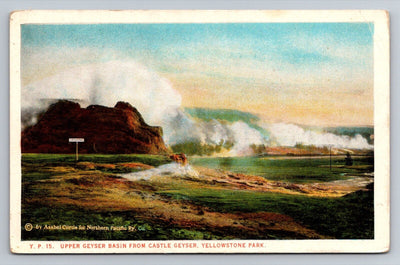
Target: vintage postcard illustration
[[199, 131]]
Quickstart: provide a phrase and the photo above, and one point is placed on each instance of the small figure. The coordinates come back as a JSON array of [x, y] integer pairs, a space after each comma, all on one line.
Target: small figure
[[348, 160]]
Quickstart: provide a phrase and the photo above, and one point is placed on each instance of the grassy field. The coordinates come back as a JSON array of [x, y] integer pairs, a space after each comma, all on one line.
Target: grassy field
[[348, 217], [67, 159], [56, 190], [290, 169]]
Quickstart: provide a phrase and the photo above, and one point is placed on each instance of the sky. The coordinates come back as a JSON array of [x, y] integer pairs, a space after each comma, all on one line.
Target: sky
[[318, 74]]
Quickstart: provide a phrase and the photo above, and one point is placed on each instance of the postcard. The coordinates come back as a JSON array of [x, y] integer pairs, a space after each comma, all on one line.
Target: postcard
[[208, 131]]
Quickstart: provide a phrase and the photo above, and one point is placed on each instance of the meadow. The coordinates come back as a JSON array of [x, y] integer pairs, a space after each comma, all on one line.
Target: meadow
[[217, 204], [291, 169]]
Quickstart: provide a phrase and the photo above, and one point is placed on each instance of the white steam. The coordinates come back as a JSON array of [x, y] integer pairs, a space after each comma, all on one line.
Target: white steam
[[243, 137], [290, 135], [105, 84], [155, 98], [174, 169], [160, 104]]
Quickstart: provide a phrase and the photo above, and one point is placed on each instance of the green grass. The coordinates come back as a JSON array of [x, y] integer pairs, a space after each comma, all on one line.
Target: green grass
[[35, 165], [304, 170], [145, 229], [68, 159], [38, 166], [351, 216]]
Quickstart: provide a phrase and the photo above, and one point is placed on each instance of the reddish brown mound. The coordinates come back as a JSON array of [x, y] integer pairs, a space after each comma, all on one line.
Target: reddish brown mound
[[118, 130]]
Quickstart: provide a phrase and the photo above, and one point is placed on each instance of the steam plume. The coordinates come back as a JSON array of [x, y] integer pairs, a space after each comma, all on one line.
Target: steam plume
[[290, 135], [160, 104]]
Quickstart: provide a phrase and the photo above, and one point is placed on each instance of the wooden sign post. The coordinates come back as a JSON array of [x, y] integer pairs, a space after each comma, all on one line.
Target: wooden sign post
[[76, 141]]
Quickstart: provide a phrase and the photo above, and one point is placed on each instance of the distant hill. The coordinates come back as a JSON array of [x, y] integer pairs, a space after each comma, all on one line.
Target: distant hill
[[118, 130], [222, 114], [228, 115]]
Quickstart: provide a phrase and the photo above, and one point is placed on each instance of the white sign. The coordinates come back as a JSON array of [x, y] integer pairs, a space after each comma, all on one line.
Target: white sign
[[76, 140]]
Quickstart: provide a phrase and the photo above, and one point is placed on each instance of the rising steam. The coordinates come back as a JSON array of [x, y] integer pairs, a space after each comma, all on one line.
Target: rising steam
[[160, 104], [290, 135], [154, 97], [163, 170], [105, 84]]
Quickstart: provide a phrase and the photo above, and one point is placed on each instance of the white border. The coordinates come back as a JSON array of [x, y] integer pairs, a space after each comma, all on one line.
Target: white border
[[380, 19]]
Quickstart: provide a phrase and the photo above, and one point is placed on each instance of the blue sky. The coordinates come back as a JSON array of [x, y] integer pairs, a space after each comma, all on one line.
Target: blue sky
[[298, 71], [278, 39]]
